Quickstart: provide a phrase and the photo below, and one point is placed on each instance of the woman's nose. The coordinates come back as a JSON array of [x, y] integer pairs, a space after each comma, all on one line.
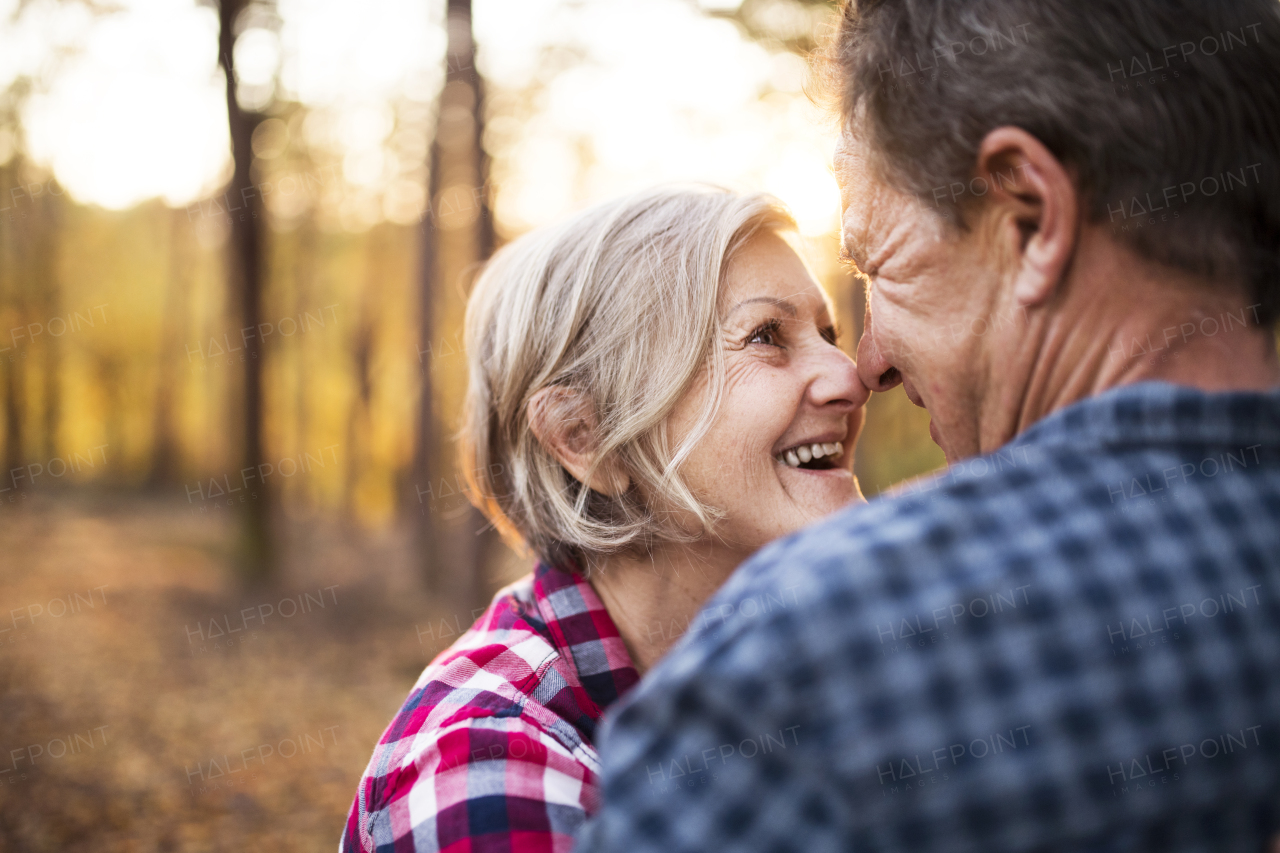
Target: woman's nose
[[837, 382], [874, 367]]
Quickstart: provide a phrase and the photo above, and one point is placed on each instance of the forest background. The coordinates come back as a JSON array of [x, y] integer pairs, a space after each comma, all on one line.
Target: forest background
[[236, 240]]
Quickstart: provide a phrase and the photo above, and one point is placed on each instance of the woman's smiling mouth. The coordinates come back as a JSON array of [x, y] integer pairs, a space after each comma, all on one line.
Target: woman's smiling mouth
[[818, 456]]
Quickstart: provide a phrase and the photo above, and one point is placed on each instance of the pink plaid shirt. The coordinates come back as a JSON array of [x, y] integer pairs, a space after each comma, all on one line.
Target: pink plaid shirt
[[492, 751]]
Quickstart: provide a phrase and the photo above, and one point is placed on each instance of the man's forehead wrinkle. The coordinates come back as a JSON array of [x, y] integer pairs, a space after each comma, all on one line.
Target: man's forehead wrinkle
[[896, 231], [872, 213], [845, 177], [879, 221], [855, 224]]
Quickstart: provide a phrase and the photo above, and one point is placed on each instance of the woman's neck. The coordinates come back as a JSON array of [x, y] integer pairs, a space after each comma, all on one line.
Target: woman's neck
[[652, 598]]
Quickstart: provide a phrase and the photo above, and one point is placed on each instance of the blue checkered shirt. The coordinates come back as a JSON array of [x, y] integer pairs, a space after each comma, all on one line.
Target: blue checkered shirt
[[1072, 643]]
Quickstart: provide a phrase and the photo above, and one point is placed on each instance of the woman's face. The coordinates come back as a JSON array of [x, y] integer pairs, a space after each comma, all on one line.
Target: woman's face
[[790, 396]]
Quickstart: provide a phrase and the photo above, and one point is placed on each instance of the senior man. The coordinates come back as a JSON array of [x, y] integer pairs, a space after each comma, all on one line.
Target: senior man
[[1068, 215]]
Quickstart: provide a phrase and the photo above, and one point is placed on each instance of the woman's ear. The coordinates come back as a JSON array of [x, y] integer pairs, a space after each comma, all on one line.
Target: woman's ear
[[564, 422], [1042, 205]]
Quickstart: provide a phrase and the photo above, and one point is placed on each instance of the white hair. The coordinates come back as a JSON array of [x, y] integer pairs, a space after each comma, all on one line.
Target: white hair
[[619, 304]]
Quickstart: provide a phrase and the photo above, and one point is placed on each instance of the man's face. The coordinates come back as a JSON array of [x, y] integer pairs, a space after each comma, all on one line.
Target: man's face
[[937, 317]]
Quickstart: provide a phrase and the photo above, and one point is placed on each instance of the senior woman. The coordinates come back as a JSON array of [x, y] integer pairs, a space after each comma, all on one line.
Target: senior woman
[[655, 393]]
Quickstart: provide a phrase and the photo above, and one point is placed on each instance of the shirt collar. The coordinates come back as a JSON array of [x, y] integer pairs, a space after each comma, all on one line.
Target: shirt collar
[[583, 632]]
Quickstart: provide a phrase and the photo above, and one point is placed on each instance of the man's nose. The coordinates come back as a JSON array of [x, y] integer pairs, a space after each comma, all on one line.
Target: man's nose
[[874, 367]]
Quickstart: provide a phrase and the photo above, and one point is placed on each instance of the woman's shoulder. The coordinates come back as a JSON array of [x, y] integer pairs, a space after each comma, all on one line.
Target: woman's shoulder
[[500, 667], [484, 708]]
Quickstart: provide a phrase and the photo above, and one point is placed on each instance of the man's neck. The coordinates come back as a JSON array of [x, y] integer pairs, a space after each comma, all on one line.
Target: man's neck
[[653, 598], [1119, 320]]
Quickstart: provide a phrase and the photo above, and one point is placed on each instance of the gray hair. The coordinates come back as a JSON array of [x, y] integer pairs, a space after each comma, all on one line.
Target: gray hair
[[1164, 108], [621, 304]]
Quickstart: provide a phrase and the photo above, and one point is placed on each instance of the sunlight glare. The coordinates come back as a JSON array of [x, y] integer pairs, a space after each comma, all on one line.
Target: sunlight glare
[[620, 120], [670, 94], [140, 111]]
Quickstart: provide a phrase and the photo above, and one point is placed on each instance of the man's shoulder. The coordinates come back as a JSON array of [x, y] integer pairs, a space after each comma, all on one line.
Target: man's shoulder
[[1039, 524], [977, 514], [976, 633]]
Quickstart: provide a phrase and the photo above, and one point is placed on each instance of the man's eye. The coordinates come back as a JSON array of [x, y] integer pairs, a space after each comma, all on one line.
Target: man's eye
[[766, 333]]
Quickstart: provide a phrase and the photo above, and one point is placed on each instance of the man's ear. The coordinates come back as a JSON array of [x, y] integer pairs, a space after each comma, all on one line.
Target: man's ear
[[1038, 203], [564, 422]]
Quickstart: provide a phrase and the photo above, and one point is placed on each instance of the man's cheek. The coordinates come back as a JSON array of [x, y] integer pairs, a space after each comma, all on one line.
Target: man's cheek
[[905, 342], [896, 310]]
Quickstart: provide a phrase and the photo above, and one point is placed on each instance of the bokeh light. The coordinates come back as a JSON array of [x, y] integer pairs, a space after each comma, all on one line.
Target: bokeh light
[[137, 112]]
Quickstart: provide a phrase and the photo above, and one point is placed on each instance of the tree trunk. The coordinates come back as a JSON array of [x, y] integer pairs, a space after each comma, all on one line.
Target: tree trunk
[[457, 233], [42, 273], [164, 441], [244, 206], [359, 418], [11, 361], [479, 532]]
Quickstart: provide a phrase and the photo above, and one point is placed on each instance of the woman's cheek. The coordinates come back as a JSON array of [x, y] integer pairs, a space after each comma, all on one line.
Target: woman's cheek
[[759, 403], [857, 421], [735, 459]]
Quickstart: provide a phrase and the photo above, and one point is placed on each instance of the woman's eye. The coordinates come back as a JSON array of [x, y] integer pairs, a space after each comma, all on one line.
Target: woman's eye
[[766, 334]]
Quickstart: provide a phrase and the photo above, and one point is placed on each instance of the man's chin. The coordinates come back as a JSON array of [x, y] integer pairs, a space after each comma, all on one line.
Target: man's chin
[[937, 439]]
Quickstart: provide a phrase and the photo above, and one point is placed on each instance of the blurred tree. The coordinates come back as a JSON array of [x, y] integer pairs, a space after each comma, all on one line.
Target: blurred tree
[[359, 434], [248, 220], [29, 295], [457, 235], [48, 210], [12, 314], [11, 368], [164, 429], [795, 25]]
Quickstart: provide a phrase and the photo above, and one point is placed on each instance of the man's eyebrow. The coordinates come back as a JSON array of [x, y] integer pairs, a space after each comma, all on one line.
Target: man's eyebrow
[[772, 300]]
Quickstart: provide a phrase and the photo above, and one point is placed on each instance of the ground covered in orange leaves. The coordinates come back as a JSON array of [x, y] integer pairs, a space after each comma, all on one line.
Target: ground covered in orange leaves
[[148, 702]]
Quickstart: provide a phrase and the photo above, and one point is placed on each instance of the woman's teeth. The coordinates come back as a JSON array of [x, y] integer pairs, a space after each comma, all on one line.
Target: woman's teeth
[[797, 456]]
